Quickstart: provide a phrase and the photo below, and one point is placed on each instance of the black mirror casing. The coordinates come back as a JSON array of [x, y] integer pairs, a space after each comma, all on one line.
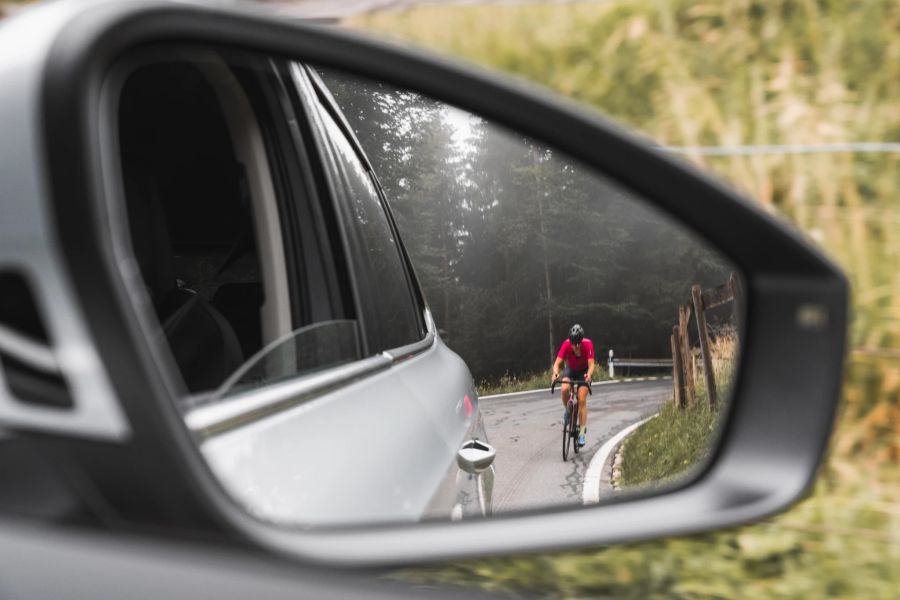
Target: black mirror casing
[[785, 393]]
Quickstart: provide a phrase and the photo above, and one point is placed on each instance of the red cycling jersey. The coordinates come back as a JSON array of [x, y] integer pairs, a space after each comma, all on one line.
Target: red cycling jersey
[[576, 363]]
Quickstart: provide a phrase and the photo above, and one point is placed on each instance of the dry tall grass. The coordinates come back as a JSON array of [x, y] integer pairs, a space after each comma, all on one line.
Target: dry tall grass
[[724, 349]]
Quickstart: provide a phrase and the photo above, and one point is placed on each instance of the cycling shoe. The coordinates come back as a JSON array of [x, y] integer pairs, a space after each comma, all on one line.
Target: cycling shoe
[[581, 440]]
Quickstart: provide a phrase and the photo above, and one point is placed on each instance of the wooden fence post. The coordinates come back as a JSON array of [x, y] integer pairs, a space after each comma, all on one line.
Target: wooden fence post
[[677, 370], [697, 296], [684, 317]]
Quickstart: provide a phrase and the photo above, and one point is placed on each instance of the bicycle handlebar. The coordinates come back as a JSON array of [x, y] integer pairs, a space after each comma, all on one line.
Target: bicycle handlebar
[[575, 383]]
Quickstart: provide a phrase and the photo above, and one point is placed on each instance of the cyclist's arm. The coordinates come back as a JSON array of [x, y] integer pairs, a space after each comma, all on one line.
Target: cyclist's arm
[[590, 371], [555, 368]]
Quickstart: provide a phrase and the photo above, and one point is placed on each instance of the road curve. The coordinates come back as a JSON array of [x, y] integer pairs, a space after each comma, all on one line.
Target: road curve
[[526, 430]]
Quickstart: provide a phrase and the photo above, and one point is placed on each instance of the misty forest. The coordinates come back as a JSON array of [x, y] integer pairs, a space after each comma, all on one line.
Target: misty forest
[[514, 242]]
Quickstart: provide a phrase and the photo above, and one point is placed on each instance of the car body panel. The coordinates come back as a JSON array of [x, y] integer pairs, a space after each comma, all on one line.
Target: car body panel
[[390, 440], [29, 246]]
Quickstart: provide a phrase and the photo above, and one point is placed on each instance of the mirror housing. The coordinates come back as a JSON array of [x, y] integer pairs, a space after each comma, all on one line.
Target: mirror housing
[[64, 195], [475, 457]]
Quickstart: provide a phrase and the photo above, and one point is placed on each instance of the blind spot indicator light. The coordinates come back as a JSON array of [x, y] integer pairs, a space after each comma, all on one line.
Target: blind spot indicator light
[[812, 317]]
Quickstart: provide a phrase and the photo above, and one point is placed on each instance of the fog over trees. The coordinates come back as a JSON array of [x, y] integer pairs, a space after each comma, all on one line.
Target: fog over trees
[[514, 242]]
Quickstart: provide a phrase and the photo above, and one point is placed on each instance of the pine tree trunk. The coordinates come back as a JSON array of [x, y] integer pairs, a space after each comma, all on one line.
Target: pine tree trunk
[[539, 188]]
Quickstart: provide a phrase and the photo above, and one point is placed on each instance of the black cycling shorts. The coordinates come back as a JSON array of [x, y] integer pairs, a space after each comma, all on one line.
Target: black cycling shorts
[[574, 375]]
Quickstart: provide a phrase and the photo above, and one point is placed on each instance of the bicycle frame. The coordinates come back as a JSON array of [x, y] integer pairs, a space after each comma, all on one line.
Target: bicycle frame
[[570, 427]]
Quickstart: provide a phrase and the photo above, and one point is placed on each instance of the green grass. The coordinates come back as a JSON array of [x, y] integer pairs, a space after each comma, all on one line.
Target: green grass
[[514, 383], [669, 446], [678, 441]]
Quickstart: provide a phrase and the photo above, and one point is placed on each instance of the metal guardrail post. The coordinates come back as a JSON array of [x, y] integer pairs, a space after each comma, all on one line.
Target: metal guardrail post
[[612, 373]]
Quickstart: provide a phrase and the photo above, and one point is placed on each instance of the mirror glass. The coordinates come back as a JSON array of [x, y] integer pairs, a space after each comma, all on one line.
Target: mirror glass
[[380, 308]]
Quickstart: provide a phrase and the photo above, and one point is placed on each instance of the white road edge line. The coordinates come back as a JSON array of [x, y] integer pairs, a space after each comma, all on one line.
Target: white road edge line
[[590, 490], [595, 384]]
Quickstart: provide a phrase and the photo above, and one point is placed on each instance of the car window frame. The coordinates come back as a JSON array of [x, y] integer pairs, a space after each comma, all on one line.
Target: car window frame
[[205, 59], [331, 104], [319, 98], [308, 224], [280, 395], [255, 78], [300, 98]]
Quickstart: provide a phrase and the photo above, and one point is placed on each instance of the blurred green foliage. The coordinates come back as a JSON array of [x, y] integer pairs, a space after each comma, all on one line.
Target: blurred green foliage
[[736, 73]]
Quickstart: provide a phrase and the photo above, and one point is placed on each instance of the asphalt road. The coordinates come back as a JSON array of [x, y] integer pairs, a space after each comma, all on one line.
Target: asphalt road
[[526, 430]]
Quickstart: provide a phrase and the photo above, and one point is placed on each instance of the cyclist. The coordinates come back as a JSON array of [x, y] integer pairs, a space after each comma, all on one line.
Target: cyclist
[[578, 352]]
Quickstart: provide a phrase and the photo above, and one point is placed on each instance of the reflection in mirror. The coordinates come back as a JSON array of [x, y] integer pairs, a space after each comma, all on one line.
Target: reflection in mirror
[[514, 243], [287, 226]]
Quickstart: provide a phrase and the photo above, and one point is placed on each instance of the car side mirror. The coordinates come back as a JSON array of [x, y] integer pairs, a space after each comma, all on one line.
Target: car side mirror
[[225, 340]]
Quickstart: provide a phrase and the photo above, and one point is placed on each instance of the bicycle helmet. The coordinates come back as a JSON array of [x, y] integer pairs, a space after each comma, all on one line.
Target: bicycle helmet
[[576, 334]]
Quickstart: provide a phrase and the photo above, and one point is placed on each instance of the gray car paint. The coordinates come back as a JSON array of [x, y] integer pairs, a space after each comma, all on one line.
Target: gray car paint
[[28, 244], [374, 451]]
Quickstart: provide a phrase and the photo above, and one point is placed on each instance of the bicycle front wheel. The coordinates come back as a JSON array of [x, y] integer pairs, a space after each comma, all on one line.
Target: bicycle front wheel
[[569, 432], [575, 428]]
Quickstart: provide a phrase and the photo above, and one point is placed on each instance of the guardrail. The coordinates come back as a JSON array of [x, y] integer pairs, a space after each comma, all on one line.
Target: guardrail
[[645, 363]]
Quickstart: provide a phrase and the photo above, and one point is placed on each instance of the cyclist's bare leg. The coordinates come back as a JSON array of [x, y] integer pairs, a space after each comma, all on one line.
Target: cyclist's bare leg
[[566, 389], [582, 406]]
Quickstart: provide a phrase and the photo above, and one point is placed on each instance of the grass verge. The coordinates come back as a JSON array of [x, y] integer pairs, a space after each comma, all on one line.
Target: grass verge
[[679, 440], [668, 447]]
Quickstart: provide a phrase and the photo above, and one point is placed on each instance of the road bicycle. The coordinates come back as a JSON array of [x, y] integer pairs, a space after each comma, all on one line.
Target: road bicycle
[[570, 425]]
